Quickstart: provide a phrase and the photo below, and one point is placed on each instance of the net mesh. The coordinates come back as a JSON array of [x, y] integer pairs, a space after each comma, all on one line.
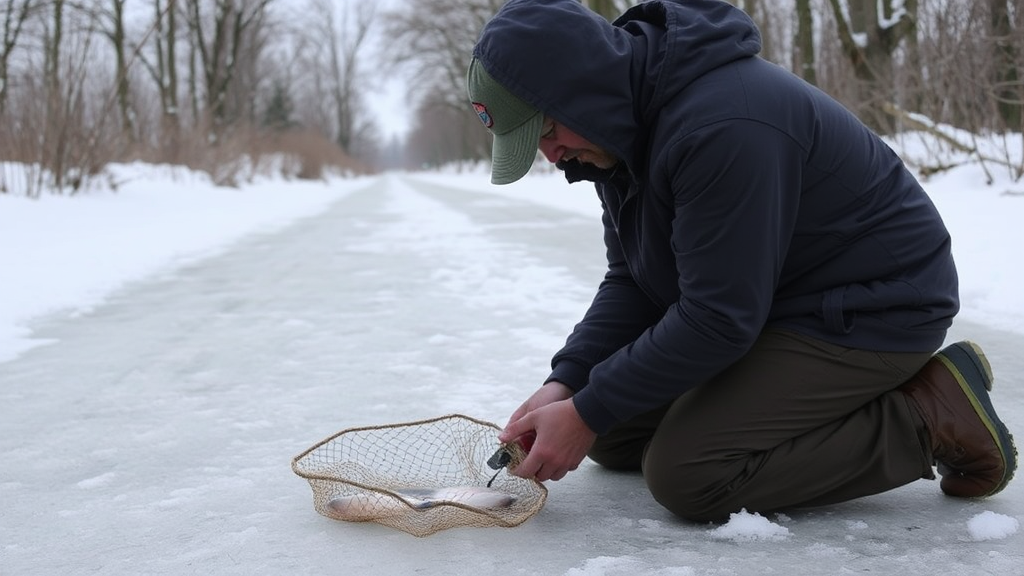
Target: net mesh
[[419, 477]]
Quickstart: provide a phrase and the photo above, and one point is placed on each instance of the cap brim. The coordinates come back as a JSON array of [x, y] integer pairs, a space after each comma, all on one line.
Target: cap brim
[[514, 151]]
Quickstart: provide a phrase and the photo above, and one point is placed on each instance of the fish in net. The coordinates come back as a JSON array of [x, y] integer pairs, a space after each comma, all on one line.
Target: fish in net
[[420, 477]]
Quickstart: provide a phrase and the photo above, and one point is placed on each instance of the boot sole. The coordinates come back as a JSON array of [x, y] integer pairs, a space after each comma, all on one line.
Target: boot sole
[[970, 354]]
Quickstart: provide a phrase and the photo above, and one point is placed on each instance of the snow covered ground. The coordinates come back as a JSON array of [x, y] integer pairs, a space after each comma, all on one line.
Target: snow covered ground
[[167, 349]]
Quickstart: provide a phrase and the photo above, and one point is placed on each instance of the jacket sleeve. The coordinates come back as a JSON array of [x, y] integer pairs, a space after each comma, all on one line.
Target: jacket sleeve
[[619, 313], [735, 187]]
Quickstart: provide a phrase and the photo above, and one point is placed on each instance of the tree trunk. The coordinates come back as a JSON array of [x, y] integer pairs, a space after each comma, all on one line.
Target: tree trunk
[[54, 143], [116, 35], [869, 39], [13, 24], [218, 48], [164, 72], [344, 45], [170, 111], [1008, 89], [803, 55]]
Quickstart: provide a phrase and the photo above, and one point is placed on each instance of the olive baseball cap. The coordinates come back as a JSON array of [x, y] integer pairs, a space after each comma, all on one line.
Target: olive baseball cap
[[516, 125]]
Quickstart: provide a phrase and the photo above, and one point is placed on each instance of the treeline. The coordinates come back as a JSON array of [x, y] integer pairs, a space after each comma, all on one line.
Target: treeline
[[236, 87], [230, 87], [951, 69]]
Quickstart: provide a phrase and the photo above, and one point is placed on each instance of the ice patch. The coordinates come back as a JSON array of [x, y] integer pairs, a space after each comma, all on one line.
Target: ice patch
[[822, 550], [605, 565], [991, 526], [648, 524], [746, 527], [296, 323], [626, 566], [96, 481], [856, 525], [441, 339]]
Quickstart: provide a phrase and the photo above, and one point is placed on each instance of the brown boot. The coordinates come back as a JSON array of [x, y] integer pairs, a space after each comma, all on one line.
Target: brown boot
[[974, 450]]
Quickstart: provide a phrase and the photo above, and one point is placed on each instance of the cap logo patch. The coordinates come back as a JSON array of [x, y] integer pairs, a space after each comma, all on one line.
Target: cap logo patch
[[484, 115]]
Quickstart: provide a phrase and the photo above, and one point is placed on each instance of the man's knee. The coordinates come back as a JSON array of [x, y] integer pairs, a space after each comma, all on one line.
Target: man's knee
[[616, 455], [622, 448], [697, 492]]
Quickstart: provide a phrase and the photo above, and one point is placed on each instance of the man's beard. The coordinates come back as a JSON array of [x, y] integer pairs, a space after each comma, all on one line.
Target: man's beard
[[576, 171]]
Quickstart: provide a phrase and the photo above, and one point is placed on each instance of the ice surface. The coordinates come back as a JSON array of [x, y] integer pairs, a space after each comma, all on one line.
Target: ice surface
[[148, 424]]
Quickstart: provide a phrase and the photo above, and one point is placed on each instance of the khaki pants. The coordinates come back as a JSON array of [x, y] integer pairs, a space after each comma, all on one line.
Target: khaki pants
[[795, 422]]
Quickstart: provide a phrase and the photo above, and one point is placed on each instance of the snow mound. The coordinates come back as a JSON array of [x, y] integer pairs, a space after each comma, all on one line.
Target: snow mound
[[746, 527], [992, 526]]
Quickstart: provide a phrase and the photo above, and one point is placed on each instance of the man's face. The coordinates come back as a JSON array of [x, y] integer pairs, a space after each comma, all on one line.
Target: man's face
[[558, 143]]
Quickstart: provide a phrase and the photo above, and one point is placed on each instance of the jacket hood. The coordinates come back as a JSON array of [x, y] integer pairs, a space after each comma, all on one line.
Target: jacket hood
[[607, 81]]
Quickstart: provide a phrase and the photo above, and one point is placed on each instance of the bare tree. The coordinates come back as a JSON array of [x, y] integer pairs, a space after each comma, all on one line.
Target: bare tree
[[69, 94], [870, 32], [343, 37], [54, 135], [15, 15], [804, 62], [217, 40], [252, 85], [434, 43], [959, 66], [443, 135], [1007, 63], [162, 67], [111, 25], [68, 112]]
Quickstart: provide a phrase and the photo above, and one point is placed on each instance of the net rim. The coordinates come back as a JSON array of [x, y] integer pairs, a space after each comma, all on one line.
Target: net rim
[[336, 435], [517, 455]]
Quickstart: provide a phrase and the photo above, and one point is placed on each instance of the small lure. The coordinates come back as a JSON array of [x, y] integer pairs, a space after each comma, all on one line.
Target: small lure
[[500, 459], [497, 461]]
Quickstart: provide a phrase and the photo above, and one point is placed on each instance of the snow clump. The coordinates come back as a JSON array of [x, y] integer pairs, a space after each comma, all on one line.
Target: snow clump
[[746, 527], [992, 526]]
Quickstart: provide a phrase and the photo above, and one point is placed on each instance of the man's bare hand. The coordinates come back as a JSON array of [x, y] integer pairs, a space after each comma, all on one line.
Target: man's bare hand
[[551, 392], [562, 438]]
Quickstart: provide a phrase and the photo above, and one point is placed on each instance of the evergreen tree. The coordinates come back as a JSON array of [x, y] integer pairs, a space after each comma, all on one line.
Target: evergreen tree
[[278, 115]]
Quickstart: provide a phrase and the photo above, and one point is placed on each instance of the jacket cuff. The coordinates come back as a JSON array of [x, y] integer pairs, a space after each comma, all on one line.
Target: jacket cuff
[[571, 374], [593, 412]]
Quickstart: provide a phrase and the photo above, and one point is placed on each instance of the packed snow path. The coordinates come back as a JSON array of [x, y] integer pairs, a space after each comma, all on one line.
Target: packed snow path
[[154, 435]]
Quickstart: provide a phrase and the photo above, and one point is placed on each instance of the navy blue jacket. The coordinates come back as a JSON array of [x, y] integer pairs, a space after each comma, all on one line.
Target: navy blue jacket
[[745, 199]]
